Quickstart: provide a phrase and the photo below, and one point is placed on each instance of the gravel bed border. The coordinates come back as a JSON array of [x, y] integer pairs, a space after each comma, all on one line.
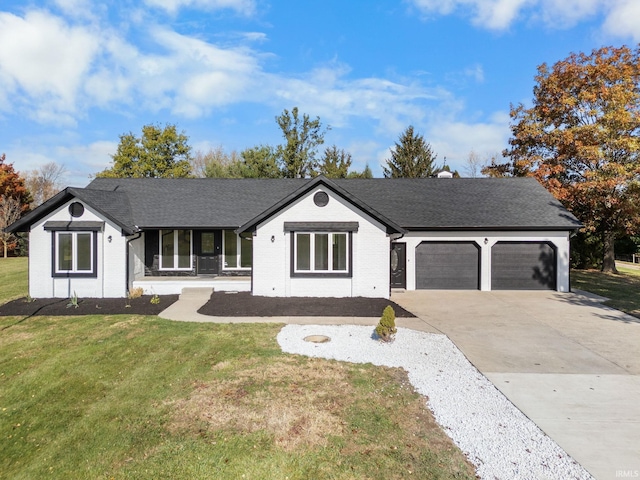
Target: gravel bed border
[[496, 437]]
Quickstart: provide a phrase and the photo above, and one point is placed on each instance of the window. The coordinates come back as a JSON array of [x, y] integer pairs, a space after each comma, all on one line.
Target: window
[[321, 252], [74, 254], [175, 249], [238, 251]]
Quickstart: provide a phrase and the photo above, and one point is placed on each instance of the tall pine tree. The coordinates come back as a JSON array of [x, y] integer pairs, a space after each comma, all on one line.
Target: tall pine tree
[[411, 157]]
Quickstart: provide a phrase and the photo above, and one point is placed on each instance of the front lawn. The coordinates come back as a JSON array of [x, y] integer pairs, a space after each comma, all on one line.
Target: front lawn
[[140, 397], [132, 396], [13, 278], [623, 289]]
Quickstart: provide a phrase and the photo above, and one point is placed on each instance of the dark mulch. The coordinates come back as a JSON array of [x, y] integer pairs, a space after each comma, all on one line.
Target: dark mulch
[[87, 306], [243, 304]]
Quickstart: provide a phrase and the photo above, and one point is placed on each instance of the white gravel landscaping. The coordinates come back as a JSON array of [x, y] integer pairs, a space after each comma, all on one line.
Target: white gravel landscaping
[[496, 437]]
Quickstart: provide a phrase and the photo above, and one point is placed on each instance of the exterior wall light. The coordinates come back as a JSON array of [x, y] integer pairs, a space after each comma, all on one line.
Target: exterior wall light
[[109, 239], [486, 240], [273, 238]]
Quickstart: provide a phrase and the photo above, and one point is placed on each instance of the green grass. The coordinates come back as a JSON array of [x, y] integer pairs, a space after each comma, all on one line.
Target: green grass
[[13, 278], [622, 289], [139, 397]]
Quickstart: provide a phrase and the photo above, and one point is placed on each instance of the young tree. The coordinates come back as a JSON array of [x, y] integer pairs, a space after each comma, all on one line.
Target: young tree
[[216, 163], [260, 162], [159, 152], [365, 173], [10, 211], [335, 163], [411, 157], [14, 201], [12, 184], [302, 137], [581, 139], [44, 182], [474, 165]]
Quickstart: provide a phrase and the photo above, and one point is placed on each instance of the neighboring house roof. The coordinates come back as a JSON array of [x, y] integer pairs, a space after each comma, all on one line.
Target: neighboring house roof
[[409, 204]]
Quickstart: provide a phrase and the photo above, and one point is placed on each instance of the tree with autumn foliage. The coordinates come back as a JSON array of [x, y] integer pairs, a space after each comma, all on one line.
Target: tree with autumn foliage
[[581, 140], [14, 202]]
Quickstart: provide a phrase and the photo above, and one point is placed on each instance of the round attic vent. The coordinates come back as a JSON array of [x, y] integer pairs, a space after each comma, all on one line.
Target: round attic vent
[[76, 209], [321, 199]]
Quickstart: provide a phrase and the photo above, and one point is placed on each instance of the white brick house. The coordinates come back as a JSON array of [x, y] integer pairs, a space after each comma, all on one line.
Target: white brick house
[[298, 237]]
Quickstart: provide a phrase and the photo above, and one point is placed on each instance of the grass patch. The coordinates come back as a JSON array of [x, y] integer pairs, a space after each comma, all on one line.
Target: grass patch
[[140, 397], [622, 288], [13, 278]]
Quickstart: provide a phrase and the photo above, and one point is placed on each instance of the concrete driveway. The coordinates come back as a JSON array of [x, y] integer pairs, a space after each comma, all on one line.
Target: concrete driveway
[[569, 363]]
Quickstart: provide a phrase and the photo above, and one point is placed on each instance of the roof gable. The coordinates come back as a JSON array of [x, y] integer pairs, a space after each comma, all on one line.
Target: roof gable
[[113, 206], [311, 185]]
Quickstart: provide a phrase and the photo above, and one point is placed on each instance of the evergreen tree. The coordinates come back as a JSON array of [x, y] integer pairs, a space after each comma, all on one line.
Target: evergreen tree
[[411, 157], [335, 163]]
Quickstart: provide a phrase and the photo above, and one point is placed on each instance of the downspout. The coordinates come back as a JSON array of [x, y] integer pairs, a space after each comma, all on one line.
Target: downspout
[[139, 234]]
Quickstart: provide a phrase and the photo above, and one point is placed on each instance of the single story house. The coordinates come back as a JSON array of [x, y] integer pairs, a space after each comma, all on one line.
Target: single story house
[[297, 237]]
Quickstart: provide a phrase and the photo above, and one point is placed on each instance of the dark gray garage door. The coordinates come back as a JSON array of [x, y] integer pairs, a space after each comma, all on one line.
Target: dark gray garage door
[[448, 265], [523, 266]]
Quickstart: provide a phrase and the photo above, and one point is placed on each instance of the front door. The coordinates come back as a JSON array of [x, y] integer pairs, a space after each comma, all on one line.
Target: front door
[[398, 265], [207, 255]]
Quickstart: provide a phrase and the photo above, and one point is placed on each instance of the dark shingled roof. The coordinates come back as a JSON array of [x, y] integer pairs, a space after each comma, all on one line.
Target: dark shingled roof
[[113, 205], [413, 204]]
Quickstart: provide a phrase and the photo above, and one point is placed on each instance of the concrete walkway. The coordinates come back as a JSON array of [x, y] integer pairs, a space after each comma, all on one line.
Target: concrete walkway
[[569, 363], [191, 299]]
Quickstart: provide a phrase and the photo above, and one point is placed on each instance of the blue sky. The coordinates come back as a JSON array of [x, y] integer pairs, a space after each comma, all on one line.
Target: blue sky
[[75, 74]]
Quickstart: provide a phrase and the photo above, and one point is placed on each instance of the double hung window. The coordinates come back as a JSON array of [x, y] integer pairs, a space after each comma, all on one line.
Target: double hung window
[[175, 249], [74, 253], [321, 252], [238, 251]]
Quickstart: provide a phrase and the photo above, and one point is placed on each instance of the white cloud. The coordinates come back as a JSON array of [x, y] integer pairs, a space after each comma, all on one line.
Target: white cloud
[[454, 139], [491, 14], [45, 59], [623, 19], [336, 99], [620, 16], [245, 7]]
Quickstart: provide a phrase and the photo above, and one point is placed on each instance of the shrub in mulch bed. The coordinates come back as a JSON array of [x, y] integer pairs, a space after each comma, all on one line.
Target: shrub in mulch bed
[[87, 306], [243, 304]]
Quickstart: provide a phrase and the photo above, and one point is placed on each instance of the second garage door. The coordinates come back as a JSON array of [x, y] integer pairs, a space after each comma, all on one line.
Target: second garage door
[[523, 266], [448, 265]]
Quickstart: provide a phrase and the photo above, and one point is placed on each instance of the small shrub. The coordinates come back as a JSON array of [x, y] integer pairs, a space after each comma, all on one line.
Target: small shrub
[[73, 301], [386, 328], [135, 293], [155, 300]]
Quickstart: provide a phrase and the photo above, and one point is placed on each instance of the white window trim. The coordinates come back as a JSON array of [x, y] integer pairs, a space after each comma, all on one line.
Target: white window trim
[[74, 253], [175, 251], [238, 253], [312, 259]]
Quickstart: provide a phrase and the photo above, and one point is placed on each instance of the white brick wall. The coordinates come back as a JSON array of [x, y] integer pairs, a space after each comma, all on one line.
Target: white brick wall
[[272, 260], [111, 278], [559, 239]]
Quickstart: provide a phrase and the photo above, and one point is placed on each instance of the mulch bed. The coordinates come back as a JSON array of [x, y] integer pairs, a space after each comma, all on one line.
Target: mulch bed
[[243, 304], [86, 306]]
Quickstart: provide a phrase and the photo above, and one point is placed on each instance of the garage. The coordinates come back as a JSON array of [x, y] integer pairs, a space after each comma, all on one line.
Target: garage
[[523, 266], [448, 265]]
